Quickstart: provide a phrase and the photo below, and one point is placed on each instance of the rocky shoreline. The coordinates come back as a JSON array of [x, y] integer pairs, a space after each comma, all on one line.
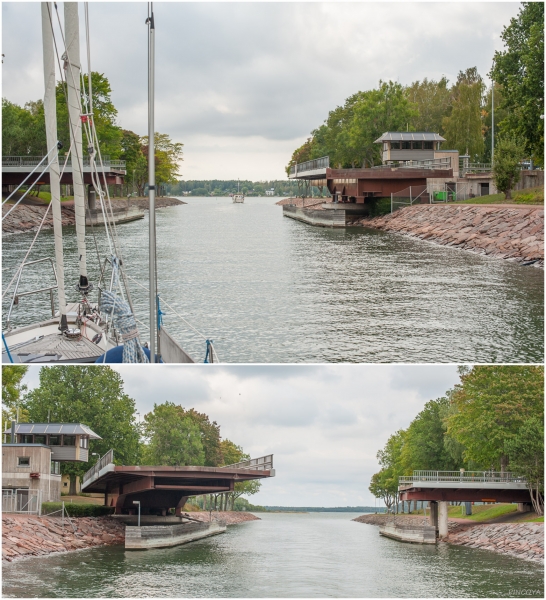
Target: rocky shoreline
[[27, 536], [522, 540], [27, 217], [514, 233]]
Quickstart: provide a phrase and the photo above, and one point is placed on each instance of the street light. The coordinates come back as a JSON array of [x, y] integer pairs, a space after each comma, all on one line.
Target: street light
[[138, 502]]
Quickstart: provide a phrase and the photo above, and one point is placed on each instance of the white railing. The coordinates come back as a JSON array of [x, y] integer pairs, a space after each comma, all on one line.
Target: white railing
[[107, 459], [22, 500], [264, 463], [474, 167], [461, 476], [32, 161], [433, 163]]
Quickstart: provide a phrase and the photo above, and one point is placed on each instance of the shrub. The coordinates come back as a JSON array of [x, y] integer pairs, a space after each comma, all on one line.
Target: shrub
[[78, 510]]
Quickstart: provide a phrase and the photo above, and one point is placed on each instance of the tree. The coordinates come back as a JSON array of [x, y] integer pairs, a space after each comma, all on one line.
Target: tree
[[390, 459], [300, 155], [509, 153], [520, 70], [23, 129], [384, 486], [12, 388], [463, 128], [490, 406], [136, 163], [174, 439], [526, 453], [210, 438], [93, 396], [424, 443], [168, 155], [432, 100]]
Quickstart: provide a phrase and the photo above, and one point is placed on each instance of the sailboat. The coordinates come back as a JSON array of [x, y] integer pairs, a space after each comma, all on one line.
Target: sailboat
[[82, 331], [239, 197]]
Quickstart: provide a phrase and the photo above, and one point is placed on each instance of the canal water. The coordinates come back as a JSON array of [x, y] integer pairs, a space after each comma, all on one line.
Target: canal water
[[282, 555], [269, 289]]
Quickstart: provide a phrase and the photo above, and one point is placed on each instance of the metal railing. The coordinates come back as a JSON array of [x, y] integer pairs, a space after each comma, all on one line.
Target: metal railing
[[32, 161], [310, 165], [461, 476], [16, 296], [22, 500], [465, 168], [433, 163], [264, 463], [107, 459]]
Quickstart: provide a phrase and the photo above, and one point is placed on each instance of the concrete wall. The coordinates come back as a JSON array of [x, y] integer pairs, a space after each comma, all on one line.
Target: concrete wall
[[322, 218], [15, 476], [415, 534], [162, 536]]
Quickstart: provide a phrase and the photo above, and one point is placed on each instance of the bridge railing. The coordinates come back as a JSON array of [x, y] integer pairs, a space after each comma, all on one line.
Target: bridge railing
[[264, 463], [33, 161], [433, 163], [460, 476], [310, 165], [107, 459]]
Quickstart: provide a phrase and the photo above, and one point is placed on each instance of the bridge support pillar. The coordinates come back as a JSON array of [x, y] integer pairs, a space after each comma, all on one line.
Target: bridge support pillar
[[442, 519], [525, 507], [434, 513]]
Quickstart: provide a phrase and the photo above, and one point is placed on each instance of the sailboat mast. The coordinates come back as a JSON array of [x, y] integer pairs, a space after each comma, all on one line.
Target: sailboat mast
[[151, 181], [72, 40], [50, 113]]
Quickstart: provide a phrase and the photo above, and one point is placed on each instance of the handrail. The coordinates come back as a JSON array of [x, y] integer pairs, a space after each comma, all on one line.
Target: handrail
[[107, 459], [433, 163], [264, 463], [461, 476], [32, 161], [311, 165]]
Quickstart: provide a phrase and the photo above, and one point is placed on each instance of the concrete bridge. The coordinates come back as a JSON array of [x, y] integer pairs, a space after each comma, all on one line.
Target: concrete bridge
[[159, 488], [442, 487], [16, 168]]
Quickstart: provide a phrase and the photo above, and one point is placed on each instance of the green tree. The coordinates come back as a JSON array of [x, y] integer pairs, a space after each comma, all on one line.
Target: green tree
[[93, 396], [385, 487], [432, 100], [463, 128], [231, 453], [424, 443], [520, 70], [526, 453], [12, 389], [168, 155], [23, 129], [210, 438], [300, 155], [174, 438], [509, 153], [490, 406], [136, 164]]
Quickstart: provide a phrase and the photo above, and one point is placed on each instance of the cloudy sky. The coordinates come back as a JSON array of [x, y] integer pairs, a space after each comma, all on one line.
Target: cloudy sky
[[324, 424], [243, 84]]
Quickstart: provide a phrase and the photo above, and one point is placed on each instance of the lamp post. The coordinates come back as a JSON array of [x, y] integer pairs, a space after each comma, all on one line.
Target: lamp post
[[138, 502]]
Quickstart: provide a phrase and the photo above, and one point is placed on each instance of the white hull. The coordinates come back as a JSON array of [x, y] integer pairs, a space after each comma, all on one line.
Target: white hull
[[238, 199]]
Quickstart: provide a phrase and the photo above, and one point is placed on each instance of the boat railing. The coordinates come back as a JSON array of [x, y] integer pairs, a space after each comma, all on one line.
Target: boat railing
[[107, 459], [460, 476], [17, 295], [264, 463]]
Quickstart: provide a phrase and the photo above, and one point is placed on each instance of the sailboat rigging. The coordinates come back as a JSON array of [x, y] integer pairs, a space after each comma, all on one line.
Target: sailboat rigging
[[82, 331]]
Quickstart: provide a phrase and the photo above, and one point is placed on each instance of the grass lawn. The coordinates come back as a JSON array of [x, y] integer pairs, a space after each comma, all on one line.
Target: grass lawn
[[529, 196], [480, 512], [535, 520]]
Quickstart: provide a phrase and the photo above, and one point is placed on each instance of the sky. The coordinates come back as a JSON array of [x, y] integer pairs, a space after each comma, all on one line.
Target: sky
[[323, 424], [242, 85]]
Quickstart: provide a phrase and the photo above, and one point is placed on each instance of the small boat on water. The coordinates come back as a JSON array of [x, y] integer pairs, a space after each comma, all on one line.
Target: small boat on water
[[239, 197]]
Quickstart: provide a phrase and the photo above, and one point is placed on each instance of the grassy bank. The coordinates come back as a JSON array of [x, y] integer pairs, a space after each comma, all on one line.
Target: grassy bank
[[530, 196]]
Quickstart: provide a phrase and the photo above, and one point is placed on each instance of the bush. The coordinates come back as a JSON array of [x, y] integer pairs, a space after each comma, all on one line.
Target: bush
[[77, 510]]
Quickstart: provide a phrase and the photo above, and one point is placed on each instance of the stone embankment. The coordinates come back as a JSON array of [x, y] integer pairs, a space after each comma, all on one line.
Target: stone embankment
[[229, 517], [523, 540], [24, 536], [316, 203], [27, 217], [514, 233]]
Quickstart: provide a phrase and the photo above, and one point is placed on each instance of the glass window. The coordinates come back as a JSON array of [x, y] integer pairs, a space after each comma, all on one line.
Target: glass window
[[428, 145], [83, 442], [417, 145], [54, 440], [40, 439], [25, 439], [406, 145], [69, 440], [395, 145], [55, 467], [23, 461]]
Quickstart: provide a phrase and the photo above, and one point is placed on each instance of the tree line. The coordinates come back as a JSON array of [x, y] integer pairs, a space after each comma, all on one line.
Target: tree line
[[169, 435], [492, 420], [460, 112], [224, 187], [23, 134]]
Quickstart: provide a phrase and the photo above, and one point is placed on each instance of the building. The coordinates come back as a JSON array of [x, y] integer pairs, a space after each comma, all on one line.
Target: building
[[31, 461], [270, 192]]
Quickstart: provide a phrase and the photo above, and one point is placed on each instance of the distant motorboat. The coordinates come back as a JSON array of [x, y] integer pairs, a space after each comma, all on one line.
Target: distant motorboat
[[238, 198]]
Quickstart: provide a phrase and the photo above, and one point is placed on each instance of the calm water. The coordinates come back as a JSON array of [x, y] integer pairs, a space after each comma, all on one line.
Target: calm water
[[267, 288], [283, 555]]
